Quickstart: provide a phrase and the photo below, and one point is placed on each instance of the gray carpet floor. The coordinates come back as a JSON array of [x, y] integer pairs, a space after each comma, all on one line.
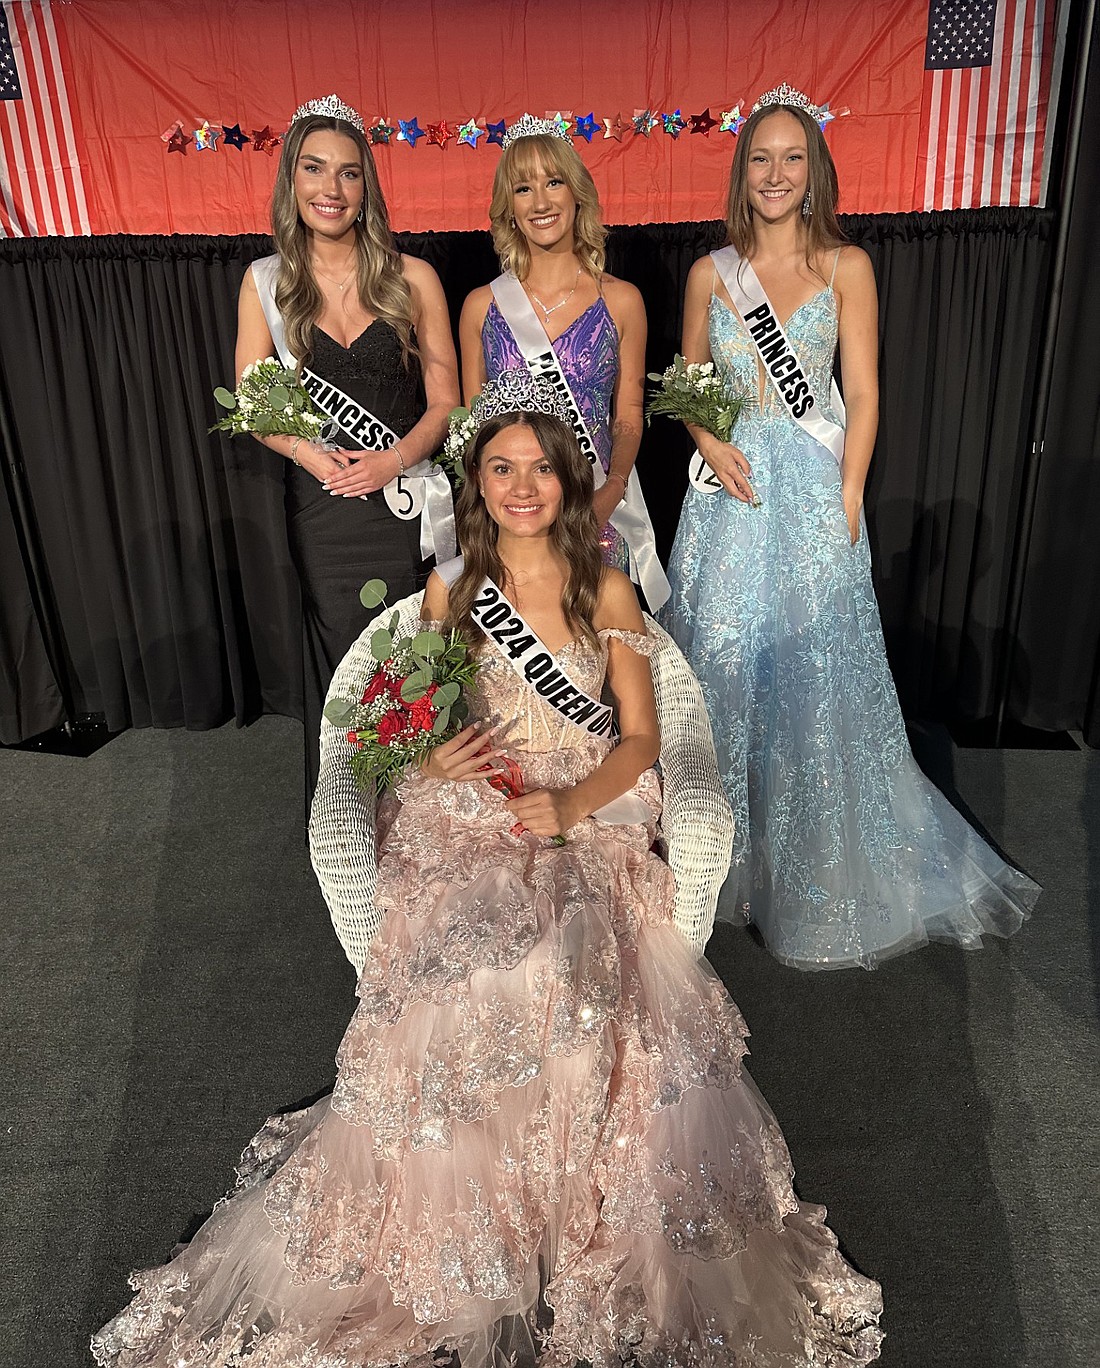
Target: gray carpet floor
[[169, 978]]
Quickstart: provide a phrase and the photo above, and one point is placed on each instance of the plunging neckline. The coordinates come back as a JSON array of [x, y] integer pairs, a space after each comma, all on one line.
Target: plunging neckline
[[357, 338], [565, 331], [717, 298]]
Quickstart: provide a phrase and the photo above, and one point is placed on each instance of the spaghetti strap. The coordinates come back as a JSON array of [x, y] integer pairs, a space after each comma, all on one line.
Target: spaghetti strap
[[836, 258]]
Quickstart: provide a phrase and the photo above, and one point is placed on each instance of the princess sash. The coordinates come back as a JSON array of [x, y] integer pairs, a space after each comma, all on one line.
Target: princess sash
[[777, 355], [630, 517], [424, 487]]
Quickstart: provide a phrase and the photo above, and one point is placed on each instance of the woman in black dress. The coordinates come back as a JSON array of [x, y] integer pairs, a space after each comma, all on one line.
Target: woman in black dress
[[369, 330]]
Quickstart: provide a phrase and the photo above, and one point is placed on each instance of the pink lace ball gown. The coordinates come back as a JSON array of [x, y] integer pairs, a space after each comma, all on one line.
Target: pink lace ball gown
[[541, 1147]]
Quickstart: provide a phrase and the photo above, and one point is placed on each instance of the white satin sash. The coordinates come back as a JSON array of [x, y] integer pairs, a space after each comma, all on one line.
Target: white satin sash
[[421, 491], [631, 517]]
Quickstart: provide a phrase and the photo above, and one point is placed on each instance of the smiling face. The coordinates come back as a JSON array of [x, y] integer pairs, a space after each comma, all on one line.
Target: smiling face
[[544, 208], [522, 493], [328, 183], [778, 168]]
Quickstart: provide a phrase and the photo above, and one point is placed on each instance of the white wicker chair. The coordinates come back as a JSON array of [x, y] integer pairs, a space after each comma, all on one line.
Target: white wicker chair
[[696, 826]]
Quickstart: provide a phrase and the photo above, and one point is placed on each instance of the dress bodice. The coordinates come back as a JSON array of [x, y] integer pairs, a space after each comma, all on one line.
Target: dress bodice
[[589, 354], [812, 330], [373, 371]]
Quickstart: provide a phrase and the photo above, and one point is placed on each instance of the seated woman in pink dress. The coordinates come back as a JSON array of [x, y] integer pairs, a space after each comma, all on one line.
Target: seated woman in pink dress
[[542, 1147]]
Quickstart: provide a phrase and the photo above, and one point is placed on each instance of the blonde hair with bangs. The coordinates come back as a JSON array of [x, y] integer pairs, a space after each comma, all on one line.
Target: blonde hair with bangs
[[518, 163]]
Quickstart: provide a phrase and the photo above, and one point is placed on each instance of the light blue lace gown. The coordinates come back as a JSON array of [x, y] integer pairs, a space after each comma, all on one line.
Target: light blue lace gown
[[844, 852]]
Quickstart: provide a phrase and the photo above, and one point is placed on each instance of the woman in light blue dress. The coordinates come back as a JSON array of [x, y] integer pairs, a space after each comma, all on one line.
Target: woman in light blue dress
[[844, 852]]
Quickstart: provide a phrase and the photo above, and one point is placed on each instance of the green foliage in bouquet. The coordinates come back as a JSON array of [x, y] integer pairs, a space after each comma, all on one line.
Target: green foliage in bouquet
[[694, 392]]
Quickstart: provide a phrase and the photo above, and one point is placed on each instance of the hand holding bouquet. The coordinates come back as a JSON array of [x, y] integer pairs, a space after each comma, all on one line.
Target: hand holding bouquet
[[412, 703]]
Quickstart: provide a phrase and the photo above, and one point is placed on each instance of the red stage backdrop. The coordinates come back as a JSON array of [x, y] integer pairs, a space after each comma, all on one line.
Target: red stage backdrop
[[155, 116]]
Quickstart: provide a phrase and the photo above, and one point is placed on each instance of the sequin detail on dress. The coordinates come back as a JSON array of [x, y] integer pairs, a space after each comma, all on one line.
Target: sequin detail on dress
[[541, 1148], [844, 853]]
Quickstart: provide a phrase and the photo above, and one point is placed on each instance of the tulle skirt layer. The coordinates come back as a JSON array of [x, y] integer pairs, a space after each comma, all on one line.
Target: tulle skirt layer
[[541, 1147]]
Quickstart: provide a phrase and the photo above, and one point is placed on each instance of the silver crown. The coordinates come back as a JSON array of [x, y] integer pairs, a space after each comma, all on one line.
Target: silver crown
[[786, 96], [331, 107], [530, 127], [518, 391]]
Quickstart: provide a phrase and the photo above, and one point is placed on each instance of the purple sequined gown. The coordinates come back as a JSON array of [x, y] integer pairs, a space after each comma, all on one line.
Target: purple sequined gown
[[589, 354]]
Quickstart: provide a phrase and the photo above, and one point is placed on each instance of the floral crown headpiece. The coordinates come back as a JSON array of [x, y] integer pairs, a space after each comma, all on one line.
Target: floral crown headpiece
[[530, 127], [514, 390], [785, 96], [330, 107]]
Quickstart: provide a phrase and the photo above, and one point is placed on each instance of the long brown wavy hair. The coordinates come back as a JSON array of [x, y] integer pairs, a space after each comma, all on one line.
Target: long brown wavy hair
[[822, 231], [574, 534], [518, 163], [383, 289]]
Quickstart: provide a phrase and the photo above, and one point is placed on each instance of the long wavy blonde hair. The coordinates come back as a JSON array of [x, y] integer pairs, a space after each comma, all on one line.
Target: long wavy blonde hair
[[518, 163], [383, 289], [822, 231], [575, 533]]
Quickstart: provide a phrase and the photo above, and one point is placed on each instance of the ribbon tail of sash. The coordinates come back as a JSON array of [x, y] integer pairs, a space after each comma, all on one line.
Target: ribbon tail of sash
[[437, 520], [631, 519]]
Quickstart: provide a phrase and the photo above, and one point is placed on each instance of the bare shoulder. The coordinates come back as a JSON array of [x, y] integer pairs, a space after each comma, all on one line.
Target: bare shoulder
[[248, 285], [701, 273], [620, 293], [617, 603], [853, 266], [420, 274], [476, 304]]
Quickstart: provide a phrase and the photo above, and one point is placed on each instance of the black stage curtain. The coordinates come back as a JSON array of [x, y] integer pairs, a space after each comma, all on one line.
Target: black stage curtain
[[164, 549], [1057, 667]]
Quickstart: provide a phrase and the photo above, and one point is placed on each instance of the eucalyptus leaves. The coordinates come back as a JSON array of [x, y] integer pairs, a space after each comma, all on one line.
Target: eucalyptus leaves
[[271, 402], [694, 392], [412, 702]]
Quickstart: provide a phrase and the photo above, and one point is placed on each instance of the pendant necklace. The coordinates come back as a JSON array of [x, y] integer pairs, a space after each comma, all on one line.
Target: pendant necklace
[[546, 312]]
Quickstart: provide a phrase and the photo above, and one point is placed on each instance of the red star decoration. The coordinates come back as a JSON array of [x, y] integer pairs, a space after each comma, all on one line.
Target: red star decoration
[[264, 140], [703, 123], [438, 133], [614, 128], [179, 141]]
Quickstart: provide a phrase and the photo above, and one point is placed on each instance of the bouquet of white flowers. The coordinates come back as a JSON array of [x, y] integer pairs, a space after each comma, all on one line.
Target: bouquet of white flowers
[[694, 392], [270, 402], [462, 424]]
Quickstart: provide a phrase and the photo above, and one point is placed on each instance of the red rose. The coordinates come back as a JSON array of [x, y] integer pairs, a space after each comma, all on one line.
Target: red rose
[[389, 727], [375, 687]]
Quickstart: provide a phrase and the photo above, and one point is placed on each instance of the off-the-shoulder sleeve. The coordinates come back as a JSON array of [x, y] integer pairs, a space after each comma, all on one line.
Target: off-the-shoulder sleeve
[[637, 641]]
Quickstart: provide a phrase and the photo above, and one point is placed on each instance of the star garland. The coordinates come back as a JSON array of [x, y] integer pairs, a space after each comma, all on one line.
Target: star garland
[[382, 133]]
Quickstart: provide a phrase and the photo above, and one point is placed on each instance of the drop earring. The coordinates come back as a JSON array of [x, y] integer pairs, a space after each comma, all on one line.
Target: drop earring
[[807, 205]]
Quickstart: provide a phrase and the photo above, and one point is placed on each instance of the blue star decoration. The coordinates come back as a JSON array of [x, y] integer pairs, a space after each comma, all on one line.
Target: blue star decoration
[[469, 132], [234, 137], [586, 126], [495, 133], [673, 124], [644, 122], [410, 131]]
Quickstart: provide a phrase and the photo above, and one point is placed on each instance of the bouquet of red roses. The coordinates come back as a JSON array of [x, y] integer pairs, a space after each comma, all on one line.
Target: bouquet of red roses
[[412, 703]]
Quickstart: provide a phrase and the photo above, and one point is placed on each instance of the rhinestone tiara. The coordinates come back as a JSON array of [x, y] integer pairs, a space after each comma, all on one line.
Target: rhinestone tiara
[[516, 390], [786, 95], [529, 127], [331, 107]]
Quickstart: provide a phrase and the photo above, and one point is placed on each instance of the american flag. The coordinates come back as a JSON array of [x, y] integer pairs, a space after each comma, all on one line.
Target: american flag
[[984, 123], [41, 184]]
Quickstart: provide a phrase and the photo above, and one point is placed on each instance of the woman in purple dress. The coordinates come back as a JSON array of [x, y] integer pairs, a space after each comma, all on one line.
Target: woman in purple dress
[[545, 217]]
